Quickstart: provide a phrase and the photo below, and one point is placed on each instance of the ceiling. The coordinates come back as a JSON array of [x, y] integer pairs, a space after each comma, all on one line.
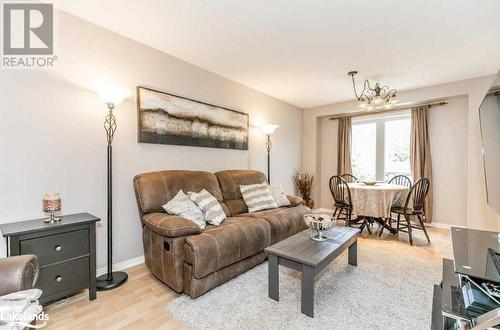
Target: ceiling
[[300, 51]]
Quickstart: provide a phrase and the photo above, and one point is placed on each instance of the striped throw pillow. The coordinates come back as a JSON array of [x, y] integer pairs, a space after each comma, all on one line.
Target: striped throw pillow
[[279, 195], [184, 207], [258, 197], [212, 210]]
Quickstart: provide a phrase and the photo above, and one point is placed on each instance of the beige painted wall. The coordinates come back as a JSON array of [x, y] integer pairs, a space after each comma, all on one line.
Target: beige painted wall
[[477, 213], [448, 136], [328, 159], [52, 137]]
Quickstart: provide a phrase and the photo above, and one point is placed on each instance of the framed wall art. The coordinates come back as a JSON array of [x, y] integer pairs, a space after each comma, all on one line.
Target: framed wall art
[[170, 119]]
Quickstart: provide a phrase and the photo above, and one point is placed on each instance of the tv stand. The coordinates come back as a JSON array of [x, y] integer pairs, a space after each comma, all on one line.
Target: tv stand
[[471, 266]]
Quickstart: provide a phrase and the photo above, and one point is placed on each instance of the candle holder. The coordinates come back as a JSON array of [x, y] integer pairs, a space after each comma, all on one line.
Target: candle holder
[[51, 204]]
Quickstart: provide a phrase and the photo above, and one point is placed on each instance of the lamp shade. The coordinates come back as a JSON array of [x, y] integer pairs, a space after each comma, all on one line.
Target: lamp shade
[[112, 94], [269, 128]]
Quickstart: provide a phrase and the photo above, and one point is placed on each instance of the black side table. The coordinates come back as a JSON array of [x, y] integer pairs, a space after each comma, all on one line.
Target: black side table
[[66, 251]]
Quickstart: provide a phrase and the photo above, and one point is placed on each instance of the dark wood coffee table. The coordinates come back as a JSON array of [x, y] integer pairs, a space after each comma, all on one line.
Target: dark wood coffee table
[[308, 256]]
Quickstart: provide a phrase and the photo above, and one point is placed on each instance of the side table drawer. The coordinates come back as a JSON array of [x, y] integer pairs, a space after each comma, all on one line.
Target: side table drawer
[[63, 277], [57, 247]]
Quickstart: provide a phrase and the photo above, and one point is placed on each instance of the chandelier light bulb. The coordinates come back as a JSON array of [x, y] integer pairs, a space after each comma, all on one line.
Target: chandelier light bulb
[[373, 97]]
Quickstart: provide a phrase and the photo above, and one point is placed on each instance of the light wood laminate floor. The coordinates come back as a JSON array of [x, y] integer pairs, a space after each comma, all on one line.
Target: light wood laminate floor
[[140, 302]]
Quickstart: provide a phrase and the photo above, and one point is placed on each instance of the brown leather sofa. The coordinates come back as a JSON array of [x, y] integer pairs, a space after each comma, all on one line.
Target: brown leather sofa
[[18, 273], [195, 261]]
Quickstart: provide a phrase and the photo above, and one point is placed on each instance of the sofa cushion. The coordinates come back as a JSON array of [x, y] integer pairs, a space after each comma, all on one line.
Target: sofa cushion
[[155, 189], [284, 222], [237, 206], [230, 182], [170, 225], [234, 240]]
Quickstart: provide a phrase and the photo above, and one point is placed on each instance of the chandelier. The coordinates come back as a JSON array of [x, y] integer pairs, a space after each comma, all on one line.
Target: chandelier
[[378, 97]]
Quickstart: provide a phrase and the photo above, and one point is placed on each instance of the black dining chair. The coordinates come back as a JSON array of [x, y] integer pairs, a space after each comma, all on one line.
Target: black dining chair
[[349, 178], [343, 202], [416, 196], [401, 180]]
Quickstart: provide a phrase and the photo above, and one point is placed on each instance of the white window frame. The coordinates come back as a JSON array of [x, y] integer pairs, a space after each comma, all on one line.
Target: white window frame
[[380, 120]]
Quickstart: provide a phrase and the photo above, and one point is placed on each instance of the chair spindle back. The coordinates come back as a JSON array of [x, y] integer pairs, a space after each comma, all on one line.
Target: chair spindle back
[[340, 190], [417, 194], [401, 180], [349, 178]]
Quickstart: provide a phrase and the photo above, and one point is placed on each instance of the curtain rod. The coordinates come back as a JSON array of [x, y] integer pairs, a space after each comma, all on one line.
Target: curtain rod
[[494, 92], [364, 113]]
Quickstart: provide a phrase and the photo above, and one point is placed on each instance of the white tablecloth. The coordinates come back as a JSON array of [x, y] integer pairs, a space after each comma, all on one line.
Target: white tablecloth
[[376, 201]]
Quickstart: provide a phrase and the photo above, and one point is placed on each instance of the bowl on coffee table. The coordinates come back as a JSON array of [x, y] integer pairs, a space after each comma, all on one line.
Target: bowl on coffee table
[[319, 223]]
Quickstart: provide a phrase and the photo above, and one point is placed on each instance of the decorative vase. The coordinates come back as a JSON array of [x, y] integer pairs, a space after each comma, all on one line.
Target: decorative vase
[[319, 223], [308, 202]]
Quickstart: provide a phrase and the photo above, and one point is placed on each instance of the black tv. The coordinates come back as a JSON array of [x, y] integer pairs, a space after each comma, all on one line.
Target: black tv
[[489, 115]]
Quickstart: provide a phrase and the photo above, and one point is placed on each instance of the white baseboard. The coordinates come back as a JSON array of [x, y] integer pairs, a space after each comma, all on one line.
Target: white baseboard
[[438, 225], [122, 265], [443, 225]]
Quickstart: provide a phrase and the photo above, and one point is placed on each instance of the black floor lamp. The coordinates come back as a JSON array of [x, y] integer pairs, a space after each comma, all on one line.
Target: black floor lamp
[[269, 130], [112, 96]]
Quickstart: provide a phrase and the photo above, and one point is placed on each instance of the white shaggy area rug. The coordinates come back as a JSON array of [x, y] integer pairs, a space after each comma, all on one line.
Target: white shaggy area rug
[[386, 290]]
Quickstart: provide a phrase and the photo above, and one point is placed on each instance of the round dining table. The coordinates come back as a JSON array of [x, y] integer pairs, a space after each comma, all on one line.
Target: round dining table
[[375, 201]]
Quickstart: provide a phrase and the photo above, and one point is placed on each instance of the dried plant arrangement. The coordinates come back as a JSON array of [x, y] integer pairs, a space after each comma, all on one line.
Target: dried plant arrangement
[[304, 183]]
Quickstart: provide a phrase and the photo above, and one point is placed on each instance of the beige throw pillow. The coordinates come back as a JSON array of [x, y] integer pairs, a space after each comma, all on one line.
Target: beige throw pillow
[[279, 195], [212, 210], [184, 207], [258, 197]]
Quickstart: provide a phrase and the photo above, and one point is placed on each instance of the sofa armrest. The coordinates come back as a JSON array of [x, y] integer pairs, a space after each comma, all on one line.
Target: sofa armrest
[[295, 200], [170, 225], [18, 273]]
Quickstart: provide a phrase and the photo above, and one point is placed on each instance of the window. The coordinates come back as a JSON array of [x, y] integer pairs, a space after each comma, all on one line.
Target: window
[[397, 148], [381, 146], [363, 153]]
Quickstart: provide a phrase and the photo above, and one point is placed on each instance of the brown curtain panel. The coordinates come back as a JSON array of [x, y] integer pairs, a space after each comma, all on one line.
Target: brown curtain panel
[[420, 153], [344, 146]]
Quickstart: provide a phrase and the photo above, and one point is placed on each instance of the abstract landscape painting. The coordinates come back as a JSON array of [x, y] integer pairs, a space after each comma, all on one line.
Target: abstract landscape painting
[[169, 119]]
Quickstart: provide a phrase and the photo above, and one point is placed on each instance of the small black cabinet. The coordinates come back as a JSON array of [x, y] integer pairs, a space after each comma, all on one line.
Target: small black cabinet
[[66, 252]]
